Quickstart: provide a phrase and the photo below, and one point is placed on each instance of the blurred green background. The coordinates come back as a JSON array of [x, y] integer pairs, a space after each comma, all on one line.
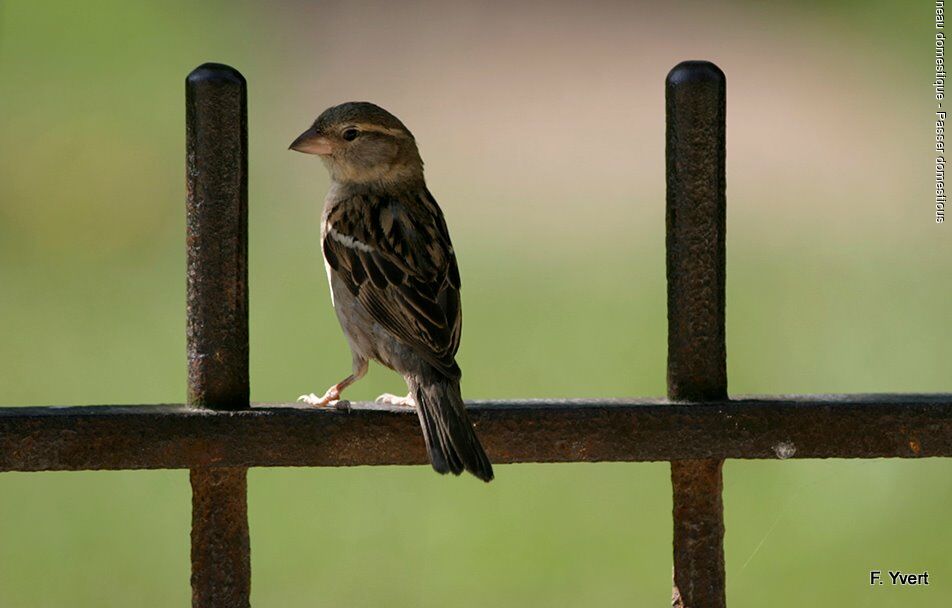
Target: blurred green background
[[542, 129]]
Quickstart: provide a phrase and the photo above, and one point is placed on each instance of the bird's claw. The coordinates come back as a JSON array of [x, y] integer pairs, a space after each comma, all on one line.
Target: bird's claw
[[388, 399], [331, 399], [312, 399]]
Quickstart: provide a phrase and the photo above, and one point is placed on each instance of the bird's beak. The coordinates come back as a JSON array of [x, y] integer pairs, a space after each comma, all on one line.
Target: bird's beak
[[311, 142]]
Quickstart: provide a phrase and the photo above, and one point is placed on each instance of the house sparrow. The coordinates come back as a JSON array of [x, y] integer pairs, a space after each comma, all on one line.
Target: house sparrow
[[393, 275]]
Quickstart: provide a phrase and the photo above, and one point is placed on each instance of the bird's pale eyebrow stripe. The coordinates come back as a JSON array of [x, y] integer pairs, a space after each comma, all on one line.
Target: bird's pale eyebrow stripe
[[349, 241], [379, 129]]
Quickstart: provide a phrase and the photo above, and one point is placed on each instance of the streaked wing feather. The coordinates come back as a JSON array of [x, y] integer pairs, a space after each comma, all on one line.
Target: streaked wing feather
[[395, 256]]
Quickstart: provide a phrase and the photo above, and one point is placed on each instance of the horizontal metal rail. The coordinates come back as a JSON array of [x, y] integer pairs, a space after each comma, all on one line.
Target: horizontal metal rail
[[176, 436]]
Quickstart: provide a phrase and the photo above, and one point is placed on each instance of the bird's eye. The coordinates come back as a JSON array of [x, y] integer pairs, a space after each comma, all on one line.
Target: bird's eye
[[350, 134]]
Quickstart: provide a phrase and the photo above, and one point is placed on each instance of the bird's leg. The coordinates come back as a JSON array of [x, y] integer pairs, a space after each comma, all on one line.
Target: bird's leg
[[332, 395]]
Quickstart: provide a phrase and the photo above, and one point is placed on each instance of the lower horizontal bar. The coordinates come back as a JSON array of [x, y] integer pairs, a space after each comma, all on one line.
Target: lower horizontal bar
[[175, 437]]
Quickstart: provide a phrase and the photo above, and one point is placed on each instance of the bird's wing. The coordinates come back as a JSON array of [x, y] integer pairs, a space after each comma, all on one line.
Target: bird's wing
[[394, 254]]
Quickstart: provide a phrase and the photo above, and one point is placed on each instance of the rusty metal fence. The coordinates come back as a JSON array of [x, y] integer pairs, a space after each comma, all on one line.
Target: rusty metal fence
[[218, 434]]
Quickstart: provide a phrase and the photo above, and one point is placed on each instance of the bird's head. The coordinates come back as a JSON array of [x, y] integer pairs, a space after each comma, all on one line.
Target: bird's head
[[360, 142]]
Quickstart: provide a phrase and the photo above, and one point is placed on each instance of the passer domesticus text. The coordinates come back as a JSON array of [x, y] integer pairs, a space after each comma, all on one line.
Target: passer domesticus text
[[393, 275]]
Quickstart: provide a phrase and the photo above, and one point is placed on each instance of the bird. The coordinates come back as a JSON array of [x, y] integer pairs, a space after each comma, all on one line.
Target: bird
[[394, 280]]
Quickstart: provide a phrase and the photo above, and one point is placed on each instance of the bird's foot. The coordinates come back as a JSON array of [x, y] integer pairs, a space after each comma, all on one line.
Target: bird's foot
[[330, 399], [388, 399]]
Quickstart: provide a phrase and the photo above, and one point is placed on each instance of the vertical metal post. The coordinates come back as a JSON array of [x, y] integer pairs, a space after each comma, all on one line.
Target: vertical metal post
[[217, 331], [695, 96]]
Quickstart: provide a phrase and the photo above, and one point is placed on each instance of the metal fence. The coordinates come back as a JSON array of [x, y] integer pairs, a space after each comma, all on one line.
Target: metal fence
[[218, 434]]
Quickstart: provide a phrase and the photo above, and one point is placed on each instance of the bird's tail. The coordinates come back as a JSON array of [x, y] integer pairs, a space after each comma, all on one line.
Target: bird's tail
[[447, 430]]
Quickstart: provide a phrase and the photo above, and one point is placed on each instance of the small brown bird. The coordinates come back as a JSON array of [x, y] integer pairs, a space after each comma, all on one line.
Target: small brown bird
[[392, 271]]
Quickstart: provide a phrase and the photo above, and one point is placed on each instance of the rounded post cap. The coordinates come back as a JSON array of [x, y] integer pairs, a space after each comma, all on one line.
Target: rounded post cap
[[695, 71], [215, 73]]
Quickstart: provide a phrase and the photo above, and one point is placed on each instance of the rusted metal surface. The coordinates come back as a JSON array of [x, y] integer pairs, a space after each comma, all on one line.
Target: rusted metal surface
[[221, 565], [217, 237], [174, 436], [217, 328], [695, 97], [699, 554], [696, 230]]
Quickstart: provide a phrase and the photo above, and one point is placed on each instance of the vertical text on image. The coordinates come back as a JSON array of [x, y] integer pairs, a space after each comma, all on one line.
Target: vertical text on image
[[939, 86]]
